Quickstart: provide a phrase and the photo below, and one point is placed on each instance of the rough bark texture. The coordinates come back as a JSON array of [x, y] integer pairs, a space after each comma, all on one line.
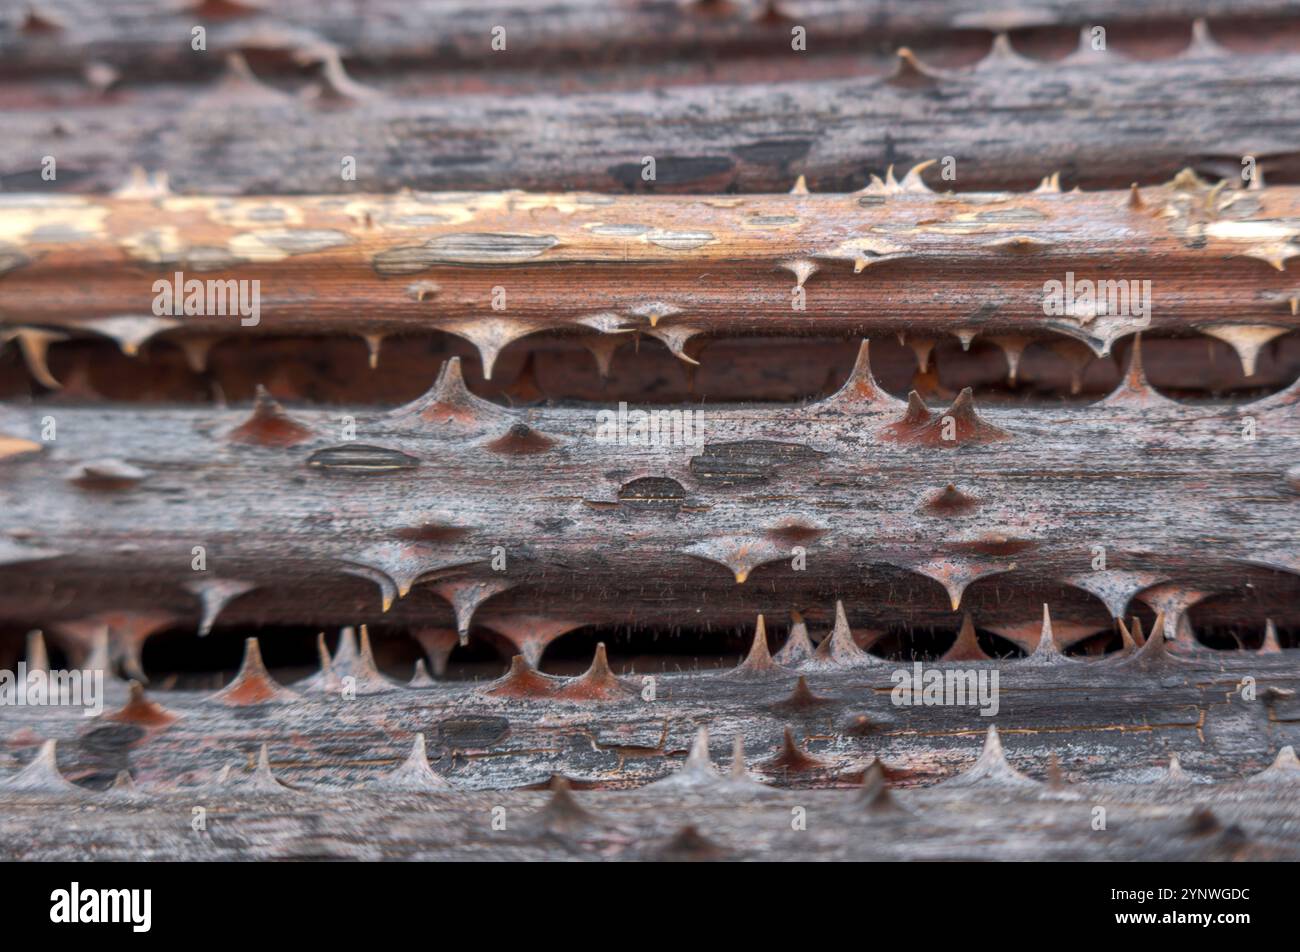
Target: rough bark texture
[[1090, 557], [1167, 745], [1007, 122], [495, 268], [545, 511]]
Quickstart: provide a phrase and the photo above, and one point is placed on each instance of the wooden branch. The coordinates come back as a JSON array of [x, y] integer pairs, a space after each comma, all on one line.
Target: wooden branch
[[567, 512], [143, 37], [497, 267], [1007, 122], [372, 753]]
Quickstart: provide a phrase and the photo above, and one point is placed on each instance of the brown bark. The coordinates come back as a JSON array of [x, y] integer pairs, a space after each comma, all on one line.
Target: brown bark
[[893, 258]]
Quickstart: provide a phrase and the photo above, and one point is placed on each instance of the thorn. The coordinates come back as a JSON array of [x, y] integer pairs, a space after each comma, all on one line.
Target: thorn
[[269, 425], [421, 678], [403, 565], [144, 186], [602, 350], [967, 646], [130, 331], [1246, 339], [913, 183], [874, 795], [675, 338], [801, 698], [861, 391], [696, 773], [239, 82], [922, 347], [449, 401], [1186, 180], [991, 768], [1285, 769], [1153, 650], [758, 664], [741, 555], [1049, 186], [34, 345], [324, 680], [1002, 55], [196, 350], [1203, 43], [369, 679], [1270, 645], [800, 188], [562, 813], [798, 648], [490, 336], [1046, 652], [42, 775], [801, 268], [253, 684], [915, 417], [954, 575], [1135, 198], [960, 426], [839, 649], [910, 73], [415, 774], [599, 683], [438, 644], [792, 758], [465, 596], [334, 86], [522, 681], [214, 595], [1134, 389], [262, 780], [530, 634], [373, 344], [1175, 773], [1115, 587], [38, 658], [521, 440], [124, 785], [950, 501], [1055, 779], [140, 710], [387, 587], [1013, 348], [1129, 643]]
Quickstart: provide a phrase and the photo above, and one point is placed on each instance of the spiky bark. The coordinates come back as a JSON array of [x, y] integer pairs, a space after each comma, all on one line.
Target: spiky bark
[[496, 268], [1007, 122]]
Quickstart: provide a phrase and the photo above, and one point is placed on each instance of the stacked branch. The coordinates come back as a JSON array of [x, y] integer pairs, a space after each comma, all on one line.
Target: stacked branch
[[1005, 121], [494, 268]]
